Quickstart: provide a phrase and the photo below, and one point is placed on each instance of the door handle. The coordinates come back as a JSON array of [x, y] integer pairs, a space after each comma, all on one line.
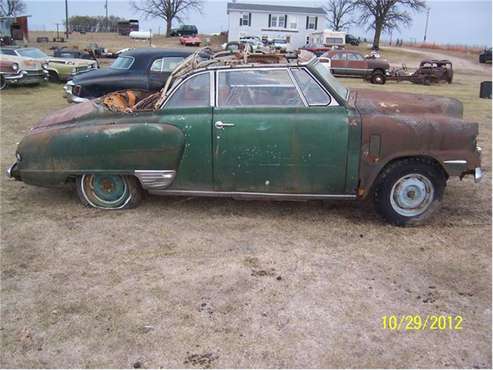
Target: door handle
[[220, 125]]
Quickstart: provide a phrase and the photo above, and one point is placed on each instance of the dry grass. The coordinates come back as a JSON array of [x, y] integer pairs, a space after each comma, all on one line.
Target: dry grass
[[223, 283]]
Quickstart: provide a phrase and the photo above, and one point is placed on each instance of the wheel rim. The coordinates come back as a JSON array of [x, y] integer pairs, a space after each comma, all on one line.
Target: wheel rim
[[378, 79], [106, 191], [411, 195]]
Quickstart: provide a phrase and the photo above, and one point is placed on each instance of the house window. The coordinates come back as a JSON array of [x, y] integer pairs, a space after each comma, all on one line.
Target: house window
[[292, 23], [246, 19], [311, 23], [278, 21]]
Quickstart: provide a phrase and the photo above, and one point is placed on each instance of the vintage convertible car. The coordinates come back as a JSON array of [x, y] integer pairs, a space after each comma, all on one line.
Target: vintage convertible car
[[243, 127]]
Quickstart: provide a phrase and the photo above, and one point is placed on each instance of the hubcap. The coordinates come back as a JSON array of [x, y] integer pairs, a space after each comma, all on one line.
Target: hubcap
[[105, 191], [411, 195]]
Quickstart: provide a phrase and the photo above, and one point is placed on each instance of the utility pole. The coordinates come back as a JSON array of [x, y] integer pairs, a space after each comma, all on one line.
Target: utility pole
[[66, 19], [427, 20], [107, 22]]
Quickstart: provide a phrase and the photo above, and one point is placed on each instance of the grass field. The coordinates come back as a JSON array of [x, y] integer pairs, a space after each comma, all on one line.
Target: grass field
[[189, 282]]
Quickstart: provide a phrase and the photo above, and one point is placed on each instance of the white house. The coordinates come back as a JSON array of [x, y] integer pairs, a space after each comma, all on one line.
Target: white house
[[292, 23]]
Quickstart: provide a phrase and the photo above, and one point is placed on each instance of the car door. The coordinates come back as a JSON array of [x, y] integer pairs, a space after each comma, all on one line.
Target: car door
[[268, 138], [189, 107], [357, 65], [339, 64], [160, 70]]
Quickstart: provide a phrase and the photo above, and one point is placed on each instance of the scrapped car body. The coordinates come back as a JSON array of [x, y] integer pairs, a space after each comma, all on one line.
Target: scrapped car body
[[429, 71], [349, 63], [22, 71], [59, 69], [143, 68], [257, 128]]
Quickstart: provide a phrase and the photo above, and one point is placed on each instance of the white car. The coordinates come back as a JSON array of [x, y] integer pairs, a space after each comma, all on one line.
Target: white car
[[281, 45]]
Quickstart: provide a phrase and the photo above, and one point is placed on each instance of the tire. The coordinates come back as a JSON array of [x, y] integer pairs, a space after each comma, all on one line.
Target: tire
[[409, 191], [378, 78], [482, 59], [3, 82], [109, 191]]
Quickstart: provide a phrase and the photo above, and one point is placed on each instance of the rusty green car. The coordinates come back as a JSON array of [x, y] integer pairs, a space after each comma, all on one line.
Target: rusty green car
[[286, 131]]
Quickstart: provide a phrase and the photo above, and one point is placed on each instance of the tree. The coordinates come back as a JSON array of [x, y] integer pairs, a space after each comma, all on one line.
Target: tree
[[337, 13], [387, 15], [9, 8], [168, 10]]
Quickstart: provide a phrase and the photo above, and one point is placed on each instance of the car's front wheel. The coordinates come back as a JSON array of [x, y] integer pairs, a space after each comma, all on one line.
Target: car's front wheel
[[409, 191], [109, 191]]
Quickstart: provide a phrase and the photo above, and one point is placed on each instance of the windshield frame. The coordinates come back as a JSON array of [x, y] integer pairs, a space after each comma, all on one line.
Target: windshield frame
[[44, 56], [330, 81]]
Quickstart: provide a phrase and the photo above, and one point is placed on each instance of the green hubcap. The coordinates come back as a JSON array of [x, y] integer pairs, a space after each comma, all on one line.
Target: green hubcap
[[105, 191], [108, 188]]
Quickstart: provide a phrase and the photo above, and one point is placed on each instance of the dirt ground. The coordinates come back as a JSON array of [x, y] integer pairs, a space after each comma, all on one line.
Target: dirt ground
[[196, 282]]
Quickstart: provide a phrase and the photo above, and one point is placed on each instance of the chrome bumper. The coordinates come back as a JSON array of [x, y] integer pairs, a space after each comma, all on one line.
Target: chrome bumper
[[22, 76], [10, 171], [478, 174], [67, 94]]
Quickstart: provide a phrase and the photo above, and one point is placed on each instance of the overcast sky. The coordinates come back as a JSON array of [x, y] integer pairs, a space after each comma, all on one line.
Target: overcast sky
[[451, 21]]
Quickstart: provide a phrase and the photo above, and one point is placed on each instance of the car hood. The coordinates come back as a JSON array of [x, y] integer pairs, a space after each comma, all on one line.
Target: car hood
[[392, 103], [69, 114], [97, 74]]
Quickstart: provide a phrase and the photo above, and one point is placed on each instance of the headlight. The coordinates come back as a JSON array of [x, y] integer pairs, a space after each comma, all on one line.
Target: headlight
[[15, 67], [74, 70]]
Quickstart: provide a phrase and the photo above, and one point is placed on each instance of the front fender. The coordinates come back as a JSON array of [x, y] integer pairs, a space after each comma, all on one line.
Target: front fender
[[50, 156]]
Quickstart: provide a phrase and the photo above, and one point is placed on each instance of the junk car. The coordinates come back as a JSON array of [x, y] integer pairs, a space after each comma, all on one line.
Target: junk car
[[428, 72], [190, 40], [239, 127], [349, 63], [59, 69], [143, 68], [16, 70]]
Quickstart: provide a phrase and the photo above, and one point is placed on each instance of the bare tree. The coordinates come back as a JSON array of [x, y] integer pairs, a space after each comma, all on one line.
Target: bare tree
[[387, 15], [10, 8], [338, 12], [168, 10]]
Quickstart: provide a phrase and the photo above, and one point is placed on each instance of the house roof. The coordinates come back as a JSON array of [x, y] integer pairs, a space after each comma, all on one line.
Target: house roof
[[276, 8]]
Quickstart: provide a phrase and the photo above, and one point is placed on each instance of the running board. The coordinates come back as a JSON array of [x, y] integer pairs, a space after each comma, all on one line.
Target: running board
[[251, 195]]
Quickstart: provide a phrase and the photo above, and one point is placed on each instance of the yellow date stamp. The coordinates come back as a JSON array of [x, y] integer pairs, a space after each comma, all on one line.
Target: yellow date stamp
[[422, 322]]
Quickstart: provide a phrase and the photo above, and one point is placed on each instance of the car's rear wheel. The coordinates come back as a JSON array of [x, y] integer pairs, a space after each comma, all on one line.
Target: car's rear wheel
[[109, 191], [378, 78], [409, 191]]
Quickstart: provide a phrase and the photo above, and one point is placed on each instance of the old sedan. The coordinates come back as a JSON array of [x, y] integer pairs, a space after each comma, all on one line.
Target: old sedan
[[276, 131], [352, 64], [144, 68]]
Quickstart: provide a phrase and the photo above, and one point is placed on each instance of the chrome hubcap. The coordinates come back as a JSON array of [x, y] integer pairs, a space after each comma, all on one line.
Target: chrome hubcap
[[411, 195]]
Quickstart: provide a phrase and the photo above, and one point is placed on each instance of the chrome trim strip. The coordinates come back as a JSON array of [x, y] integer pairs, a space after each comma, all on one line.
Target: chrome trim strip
[[152, 179], [251, 195], [455, 161], [333, 102]]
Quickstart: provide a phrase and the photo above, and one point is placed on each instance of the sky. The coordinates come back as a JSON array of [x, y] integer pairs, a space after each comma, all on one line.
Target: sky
[[465, 22]]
